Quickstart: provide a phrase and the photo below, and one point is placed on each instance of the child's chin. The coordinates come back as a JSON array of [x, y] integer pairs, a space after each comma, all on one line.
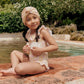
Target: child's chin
[[34, 27]]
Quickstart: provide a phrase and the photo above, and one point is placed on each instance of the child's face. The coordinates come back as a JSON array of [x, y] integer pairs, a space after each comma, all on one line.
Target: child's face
[[32, 21]]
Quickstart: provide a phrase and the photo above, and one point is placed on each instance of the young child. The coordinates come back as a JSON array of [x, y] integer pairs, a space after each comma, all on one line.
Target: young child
[[34, 58]]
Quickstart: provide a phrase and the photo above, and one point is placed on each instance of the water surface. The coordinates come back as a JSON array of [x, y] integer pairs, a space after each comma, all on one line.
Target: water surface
[[6, 47]]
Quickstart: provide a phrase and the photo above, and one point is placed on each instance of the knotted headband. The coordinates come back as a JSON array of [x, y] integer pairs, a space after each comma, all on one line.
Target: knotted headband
[[28, 10]]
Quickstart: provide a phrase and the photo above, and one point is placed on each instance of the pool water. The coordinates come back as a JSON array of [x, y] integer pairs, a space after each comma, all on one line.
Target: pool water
[[74, 50], [64, 50]]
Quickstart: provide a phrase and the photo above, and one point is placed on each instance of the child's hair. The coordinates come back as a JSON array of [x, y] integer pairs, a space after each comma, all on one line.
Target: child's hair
[[25, 31]]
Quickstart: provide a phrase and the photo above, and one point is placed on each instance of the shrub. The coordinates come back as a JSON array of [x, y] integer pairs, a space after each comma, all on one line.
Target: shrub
[[10, 19], [50, 11], [10, 23], [55, 9], [78, 36], [67, 29], [70, 29]]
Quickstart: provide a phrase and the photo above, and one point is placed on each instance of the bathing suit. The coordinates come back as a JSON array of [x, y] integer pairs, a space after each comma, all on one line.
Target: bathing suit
[[43, 58]]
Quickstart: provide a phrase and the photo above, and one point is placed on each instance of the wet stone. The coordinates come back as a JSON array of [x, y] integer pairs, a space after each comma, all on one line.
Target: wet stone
[[58, 75], [72, 73], [46, 80], [81, 70], [69, 79], [12, 81]]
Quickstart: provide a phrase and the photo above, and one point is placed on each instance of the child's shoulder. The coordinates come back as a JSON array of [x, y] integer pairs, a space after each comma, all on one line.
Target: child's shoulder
[[45, 30], [42, 28]]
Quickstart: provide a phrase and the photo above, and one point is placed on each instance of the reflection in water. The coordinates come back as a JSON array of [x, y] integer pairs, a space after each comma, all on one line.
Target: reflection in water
[[7, 47]]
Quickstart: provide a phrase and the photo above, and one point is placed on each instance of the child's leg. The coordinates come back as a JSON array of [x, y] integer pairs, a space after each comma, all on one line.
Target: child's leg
[[29, 68], [17, 57], [9, 71]]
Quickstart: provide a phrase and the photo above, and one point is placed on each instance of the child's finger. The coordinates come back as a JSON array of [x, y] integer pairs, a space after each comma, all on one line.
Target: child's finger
[[34, 48], [27, 45]]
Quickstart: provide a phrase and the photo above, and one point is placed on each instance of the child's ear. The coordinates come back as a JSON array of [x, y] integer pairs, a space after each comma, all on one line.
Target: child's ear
[[25, 24]]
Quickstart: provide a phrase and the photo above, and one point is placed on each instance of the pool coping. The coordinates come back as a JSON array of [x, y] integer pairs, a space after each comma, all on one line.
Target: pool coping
[[18, 36]]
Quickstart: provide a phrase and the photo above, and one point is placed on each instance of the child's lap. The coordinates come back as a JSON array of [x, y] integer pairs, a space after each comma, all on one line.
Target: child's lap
[[31, 67]]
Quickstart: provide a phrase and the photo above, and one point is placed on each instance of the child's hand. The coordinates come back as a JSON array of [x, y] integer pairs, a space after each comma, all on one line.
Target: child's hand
[[36, 51], [26, 49]]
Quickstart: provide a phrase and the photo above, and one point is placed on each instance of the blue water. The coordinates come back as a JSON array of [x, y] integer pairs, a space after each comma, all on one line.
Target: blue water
[[74, 50]]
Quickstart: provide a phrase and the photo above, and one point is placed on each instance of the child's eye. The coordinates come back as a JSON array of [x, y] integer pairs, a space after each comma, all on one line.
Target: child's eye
[[28, 19], [34, 17]]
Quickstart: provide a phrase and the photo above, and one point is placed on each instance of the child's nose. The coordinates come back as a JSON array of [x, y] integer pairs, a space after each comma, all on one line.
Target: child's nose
[[33, 21]]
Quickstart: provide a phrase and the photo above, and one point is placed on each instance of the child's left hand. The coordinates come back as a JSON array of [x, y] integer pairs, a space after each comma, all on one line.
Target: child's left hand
[[36, 51]]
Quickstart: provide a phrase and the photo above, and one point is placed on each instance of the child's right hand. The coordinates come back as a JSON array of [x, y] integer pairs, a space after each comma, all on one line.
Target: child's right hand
[[36, 51], [26, 49]]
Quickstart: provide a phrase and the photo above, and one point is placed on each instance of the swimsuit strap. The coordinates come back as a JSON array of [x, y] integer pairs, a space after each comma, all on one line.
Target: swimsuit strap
[[43, 27], [29, 37], [47, 29]]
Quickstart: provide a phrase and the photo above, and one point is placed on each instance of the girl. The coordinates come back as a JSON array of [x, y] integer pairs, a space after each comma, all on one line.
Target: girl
[[34, 58]]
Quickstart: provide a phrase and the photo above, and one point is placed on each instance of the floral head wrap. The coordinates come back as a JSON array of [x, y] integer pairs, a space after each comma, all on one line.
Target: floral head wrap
[[28, 10]]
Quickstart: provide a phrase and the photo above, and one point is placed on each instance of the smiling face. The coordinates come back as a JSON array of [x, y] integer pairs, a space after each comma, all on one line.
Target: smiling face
[[32, 21]]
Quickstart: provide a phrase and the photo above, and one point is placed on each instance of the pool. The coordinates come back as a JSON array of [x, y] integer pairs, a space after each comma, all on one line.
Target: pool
[[7, 47], [74, 50]]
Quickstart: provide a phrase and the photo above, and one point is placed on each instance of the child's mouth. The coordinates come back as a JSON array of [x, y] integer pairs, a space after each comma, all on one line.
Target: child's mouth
[[34, 25]]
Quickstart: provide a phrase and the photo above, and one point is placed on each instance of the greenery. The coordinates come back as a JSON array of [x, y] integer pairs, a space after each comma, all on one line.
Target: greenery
[[10, 19], [10, 23], [65, 29], [3, 2], [65, 12]]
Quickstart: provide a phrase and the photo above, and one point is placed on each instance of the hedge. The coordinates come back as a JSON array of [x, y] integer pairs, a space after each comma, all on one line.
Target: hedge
[[63, 11]]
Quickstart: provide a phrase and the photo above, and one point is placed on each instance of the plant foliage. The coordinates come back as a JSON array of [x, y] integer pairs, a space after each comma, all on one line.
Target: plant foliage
[[50, 11]]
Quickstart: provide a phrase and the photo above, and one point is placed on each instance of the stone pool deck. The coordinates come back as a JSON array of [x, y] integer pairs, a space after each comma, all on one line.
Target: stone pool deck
[[66, 70], [63, 70]]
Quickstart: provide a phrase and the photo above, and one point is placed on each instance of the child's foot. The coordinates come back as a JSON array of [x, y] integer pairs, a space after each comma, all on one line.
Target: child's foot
[[9, 71]]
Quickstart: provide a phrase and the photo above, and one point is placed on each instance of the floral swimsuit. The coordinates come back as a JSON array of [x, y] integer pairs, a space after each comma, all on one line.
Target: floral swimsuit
[[43, 58]]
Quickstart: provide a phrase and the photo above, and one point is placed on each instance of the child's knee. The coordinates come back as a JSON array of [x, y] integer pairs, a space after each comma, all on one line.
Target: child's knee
[[13, 52], [19, 70]]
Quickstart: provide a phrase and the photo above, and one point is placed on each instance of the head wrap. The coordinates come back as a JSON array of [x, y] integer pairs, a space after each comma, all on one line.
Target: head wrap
[[28, 10]]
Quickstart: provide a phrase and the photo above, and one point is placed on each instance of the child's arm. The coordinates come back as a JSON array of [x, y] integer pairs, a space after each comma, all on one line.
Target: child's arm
[[52, 43], [26, 49]]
